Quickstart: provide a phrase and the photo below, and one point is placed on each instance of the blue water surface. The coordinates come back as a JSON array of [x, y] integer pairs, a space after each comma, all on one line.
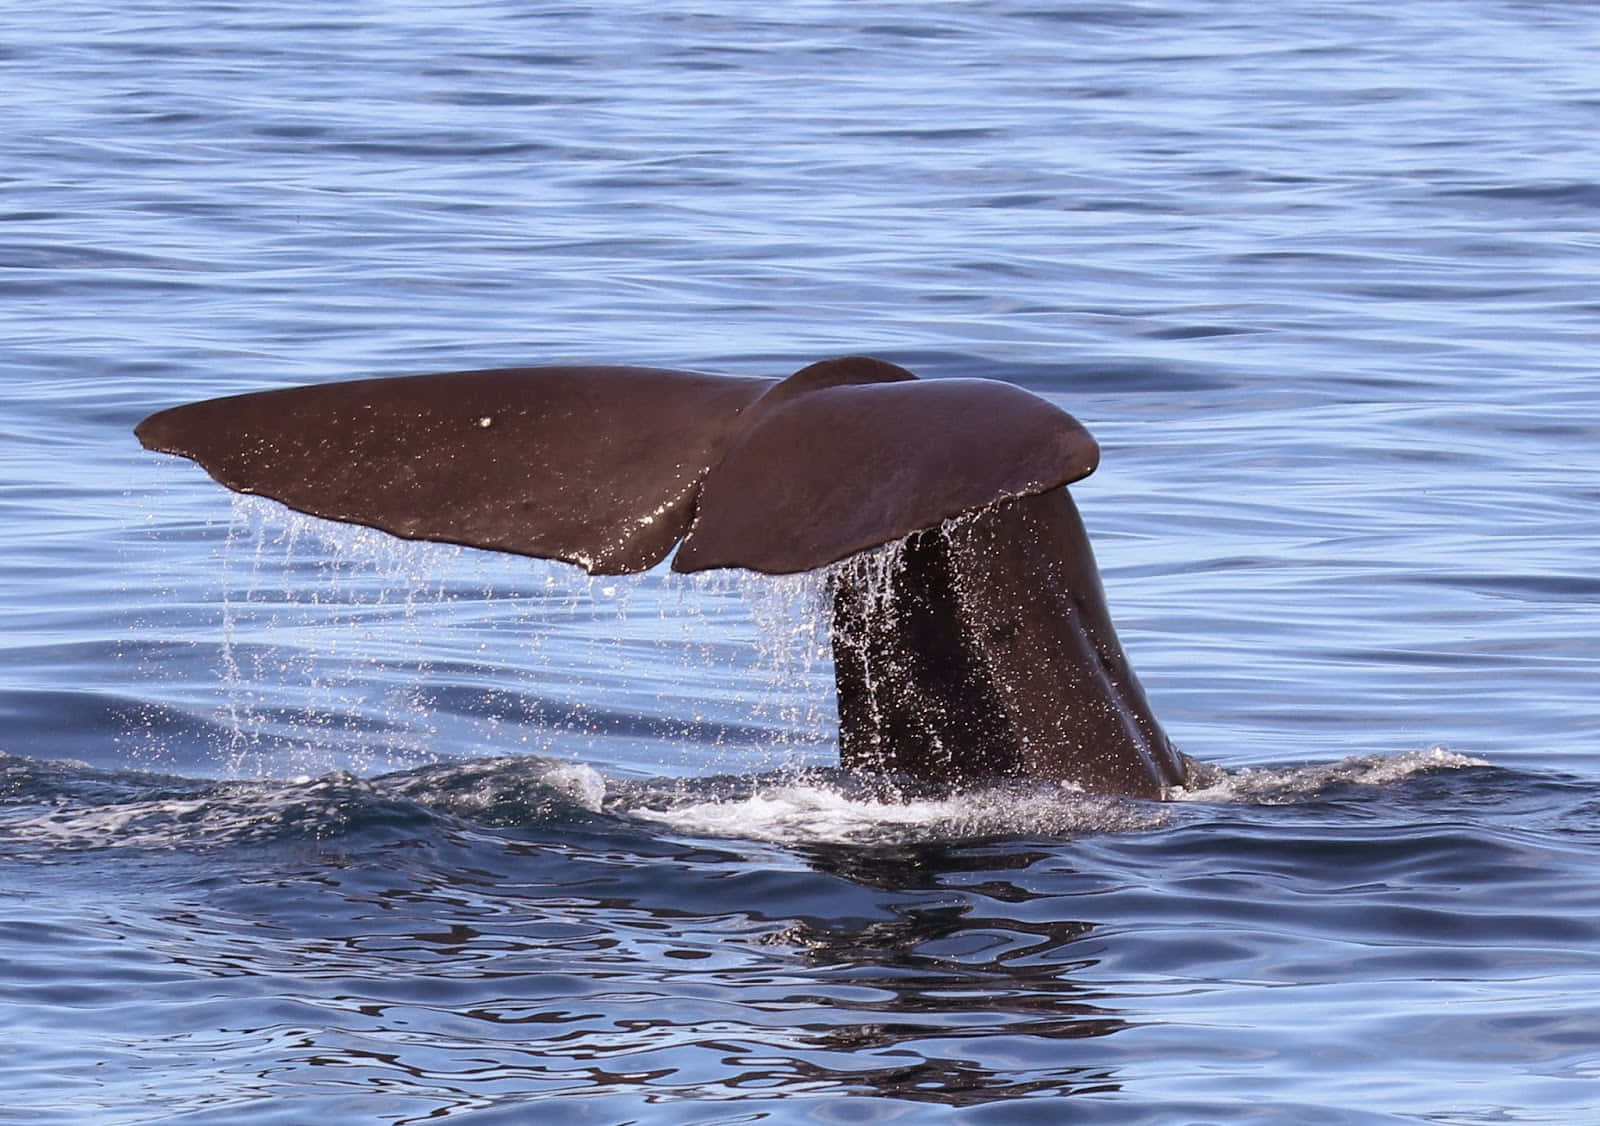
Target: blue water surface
[[302, 824]]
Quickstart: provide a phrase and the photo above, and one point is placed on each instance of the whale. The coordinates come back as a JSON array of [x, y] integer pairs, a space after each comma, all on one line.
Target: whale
[[978, 648]]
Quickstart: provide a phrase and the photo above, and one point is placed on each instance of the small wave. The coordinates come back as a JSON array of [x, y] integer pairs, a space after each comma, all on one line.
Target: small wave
[[205, 815], [1286, 785], [517, 790], [58, 807], [55, 807]]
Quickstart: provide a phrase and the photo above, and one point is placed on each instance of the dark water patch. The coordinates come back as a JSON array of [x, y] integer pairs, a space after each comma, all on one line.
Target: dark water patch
[[956, 134], [1576, 195], [1543, 587], [1107, 15], [1197, 332], [76, 722]]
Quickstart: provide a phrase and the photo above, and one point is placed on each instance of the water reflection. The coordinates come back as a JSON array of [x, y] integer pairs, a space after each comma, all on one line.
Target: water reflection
[[922, 865], [463, 969]]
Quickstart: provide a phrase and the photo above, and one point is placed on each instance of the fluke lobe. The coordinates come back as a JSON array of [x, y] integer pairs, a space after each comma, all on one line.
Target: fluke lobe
[[987, 652]]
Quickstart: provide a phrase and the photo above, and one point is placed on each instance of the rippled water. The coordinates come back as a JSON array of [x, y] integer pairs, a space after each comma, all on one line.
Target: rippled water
[[300, 824]]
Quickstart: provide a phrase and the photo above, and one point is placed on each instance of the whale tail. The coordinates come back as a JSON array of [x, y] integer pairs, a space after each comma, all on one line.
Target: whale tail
[[1000, 659], [610, 467]]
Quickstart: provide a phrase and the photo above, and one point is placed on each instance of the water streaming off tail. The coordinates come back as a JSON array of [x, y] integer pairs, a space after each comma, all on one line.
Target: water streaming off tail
[[340, 647]]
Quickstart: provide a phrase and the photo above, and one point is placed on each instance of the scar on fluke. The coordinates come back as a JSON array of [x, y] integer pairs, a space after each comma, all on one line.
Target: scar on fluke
[[991, 654]]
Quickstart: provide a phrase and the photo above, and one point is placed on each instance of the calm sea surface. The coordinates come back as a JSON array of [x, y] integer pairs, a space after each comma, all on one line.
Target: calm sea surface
[[299, 824]]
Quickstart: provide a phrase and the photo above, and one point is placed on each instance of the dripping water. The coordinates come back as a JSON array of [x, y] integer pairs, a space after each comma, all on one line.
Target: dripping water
[[341, 647]]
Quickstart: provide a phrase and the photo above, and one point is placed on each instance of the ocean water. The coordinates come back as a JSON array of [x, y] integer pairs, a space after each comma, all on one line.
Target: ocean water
[[302, 824]]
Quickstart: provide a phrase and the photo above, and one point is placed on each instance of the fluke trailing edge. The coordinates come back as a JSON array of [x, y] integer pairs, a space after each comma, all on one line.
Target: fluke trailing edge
[[988, 654]]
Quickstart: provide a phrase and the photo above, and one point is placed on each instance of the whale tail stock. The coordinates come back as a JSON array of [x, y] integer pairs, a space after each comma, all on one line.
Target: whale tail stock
[[989, 653], [995, 658]]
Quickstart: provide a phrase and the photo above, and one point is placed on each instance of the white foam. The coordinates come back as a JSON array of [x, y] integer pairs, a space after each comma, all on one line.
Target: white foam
[[1279, 786], [584, 785], [808, 813]]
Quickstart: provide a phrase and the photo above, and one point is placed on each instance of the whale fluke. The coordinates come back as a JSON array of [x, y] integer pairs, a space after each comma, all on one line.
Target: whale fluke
[[605, 467], [995, 657]]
